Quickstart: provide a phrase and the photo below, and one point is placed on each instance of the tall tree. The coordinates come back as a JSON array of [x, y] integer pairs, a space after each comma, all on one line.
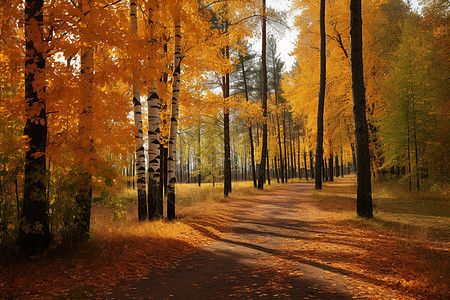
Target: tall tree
[[226, 120], [364, 188], [34, 233], [323, 70], [140, 154], [262, 169], [250, 130], [174, 120], [155, 204]]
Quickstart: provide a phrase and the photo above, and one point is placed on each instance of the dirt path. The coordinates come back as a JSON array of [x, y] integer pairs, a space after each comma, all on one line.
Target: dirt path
[[250, 261]]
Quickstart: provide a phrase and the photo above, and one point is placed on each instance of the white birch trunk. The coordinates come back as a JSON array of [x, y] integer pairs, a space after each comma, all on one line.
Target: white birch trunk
[[155, 205], [140, 154], [174, 121]]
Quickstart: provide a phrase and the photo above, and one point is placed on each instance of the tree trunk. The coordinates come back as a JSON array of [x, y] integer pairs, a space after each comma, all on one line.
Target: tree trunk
[[35, 204], [286, 160], [174, 121], [323, 70], [364, 189], [331, 167], [199, 159], [342, 163], [226, 130], [306, 167], [337, 165], [155, 203], [311, 164], [261, 178], [276, 169], [279, 145], [291, 149], [268, 169], [299, 158], [352, 145], [140, 155], [250, 133]]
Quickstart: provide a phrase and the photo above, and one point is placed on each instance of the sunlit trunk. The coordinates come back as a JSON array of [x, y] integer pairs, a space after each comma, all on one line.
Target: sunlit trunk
[[171, 161], [140, 152], [155, 204]]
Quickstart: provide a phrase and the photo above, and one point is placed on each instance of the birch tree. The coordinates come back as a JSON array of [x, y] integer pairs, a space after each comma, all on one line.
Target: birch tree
[[155, 205], [262, 169], [140, 154], [174, 120]]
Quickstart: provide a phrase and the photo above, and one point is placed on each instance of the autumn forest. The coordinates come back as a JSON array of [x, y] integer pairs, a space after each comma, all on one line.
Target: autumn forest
[[141, 140]]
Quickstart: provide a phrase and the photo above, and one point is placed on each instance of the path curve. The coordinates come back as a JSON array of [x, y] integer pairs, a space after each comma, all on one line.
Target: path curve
[[248, 262]]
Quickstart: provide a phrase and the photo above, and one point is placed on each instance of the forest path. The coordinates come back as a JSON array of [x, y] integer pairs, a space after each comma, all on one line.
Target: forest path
[[254, 259]]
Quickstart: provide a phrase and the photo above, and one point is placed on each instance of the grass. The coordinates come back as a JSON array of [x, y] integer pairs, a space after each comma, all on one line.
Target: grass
[[422, 216]]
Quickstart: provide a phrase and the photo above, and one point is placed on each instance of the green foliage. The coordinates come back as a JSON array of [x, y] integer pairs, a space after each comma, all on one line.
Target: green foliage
[[412, 124]]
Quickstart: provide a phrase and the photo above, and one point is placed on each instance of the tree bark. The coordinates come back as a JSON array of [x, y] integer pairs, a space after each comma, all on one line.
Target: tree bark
[[261, 178], [32, 239], [306, 167], [155, 203], [250, 133], [140, 155], [174, 122], [323, 69], [291, 149], [364, 188], [331, 166]]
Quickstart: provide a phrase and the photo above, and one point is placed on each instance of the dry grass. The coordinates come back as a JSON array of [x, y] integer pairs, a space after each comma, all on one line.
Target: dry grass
[[409, 234]]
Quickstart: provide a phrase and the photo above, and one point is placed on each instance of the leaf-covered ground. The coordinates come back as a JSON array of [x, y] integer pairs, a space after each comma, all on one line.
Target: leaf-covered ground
[[287, 242]]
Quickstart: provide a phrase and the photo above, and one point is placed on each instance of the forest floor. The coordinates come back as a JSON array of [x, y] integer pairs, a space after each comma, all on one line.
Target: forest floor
[[286, 242]]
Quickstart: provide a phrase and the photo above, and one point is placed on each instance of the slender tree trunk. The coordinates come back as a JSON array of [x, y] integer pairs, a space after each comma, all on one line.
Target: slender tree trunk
[[364, 188], [276, 169], [311, 164], [174, 121], [323, 70], [250, 132], [342, 163], [291, 149], [268, 169], [331, 166], [352, 145], [188, 171], [279, 145], [199, 159], [226, 125], [286, 159], [261, 178], [337, 165], [155, 203], [140, 155], [35, 206], [299, 157], [306, 167], [415, 137]]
